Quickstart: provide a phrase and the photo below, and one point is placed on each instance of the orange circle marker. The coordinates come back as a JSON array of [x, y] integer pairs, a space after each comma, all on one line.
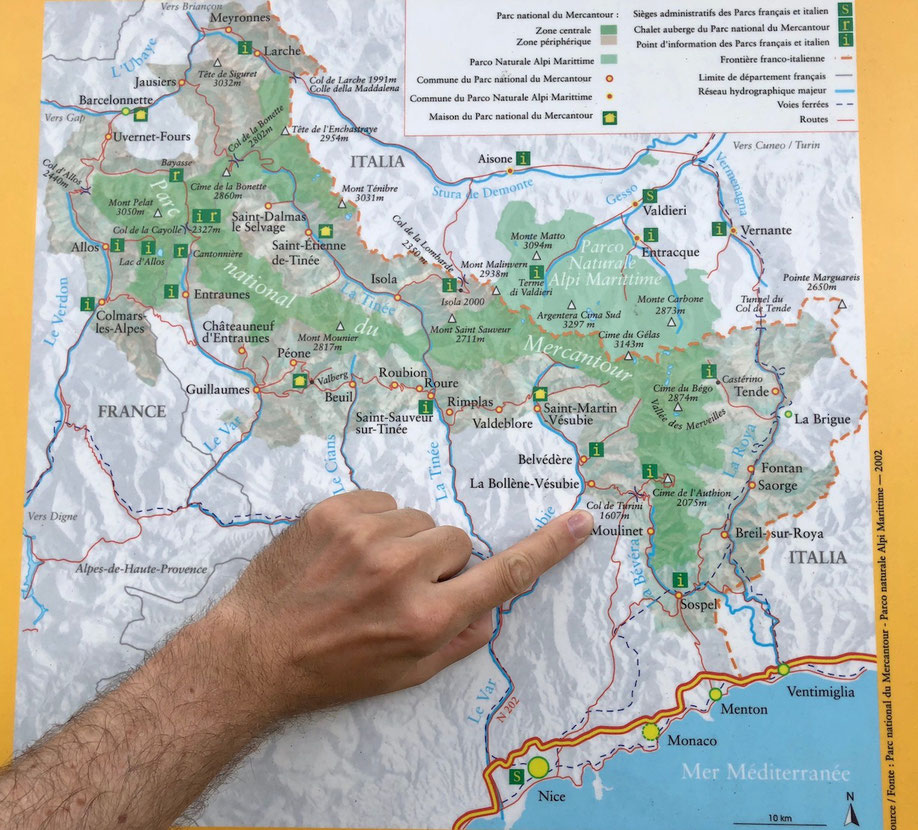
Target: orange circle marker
[[724, 534], [752, 485], [108, 136], [732, 230], [609, 95], [637, 238], [242, 350], [102, 301], [678, 594], [228, 29], [634, 204], [609, 78], [181, 82], [258, 53], [499, 409], [583, 459], [591, 483], [308, 231], [509, 171], [257, 390], [352, 384], [430, 396], [268, 206], [750, 469], [776, 391], [449, 411], [185, 294], [293, 363], [537, 408], [397, 298], [418, 388], [650, 531], [104, 246], [393, 385]]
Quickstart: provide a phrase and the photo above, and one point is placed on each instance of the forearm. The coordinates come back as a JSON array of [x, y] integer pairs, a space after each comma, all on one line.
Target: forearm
[[141, 754]]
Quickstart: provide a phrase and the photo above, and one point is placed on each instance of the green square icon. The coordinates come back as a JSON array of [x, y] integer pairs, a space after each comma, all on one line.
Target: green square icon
[[846, 24], [651, 234], [206, 216], [326, 232], [845, 9], [244, 47], [141, 114], [176, 174], [680, 579], [649, 470], [116, 245], [607, 59], [87, 303], [523, 158], [450, 285], [300, 381], [649, 196], [170, 291], [540, 393], [709, 371], [846, 38], [608, 29], [147, 247], [718, 228], [425, 407], [536, 272], [610, 118], [516, 777], [597, 449], [180, 250]]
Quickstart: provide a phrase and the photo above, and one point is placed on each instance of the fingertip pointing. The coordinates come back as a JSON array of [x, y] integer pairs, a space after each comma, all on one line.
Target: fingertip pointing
[[580, 524]]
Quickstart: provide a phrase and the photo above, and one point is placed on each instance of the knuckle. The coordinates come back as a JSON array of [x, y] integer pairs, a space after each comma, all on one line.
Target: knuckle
[[457, 538], [420, 517], [516, 571], [421, 627]]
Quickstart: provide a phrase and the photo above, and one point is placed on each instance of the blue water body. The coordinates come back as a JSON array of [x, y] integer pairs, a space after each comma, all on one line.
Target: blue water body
[[663, 790]]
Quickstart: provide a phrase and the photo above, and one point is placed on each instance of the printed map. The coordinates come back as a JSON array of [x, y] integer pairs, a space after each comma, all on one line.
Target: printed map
[[255, 289]]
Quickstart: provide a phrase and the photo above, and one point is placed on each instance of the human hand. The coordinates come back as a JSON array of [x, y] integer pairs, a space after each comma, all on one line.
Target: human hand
[[360, 598]]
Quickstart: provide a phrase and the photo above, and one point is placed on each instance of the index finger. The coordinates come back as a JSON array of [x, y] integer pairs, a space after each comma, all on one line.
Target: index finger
[[506, 574]]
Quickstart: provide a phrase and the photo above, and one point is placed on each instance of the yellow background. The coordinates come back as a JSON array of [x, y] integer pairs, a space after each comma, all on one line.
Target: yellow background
[[888, 98]]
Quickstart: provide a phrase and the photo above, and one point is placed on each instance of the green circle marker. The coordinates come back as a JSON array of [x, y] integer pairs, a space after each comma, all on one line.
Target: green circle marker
[[715, 694], [651, 731], [538, 767], [783, 669], [788, 413], [125, 110]]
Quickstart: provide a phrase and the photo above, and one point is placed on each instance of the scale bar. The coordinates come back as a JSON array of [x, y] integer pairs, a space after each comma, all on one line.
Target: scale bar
[[775, 824]]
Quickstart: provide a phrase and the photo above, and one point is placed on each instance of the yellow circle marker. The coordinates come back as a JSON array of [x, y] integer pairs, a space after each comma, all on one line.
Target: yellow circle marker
[[352, 384], [651, 731], [750, 469], [108, 136], [397, 298], [591, 483], [732, 230], [509, 171], [499, 409], [537, 408], [678, 594], [430, 396], [583, 459], [783, 669], [228, 29], [308, 231], [104, 246], [185, 294], [393, 385], [268, 206], [752, 485], [418, 388], [102, 301], [650, 531], [449, 411], [181, 82], [609, 78], [538, 767], [293, 363], [258, 53], [257, 390], [125, 110], [242, 350], [776, 391], [724, 534], [715, 694]]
